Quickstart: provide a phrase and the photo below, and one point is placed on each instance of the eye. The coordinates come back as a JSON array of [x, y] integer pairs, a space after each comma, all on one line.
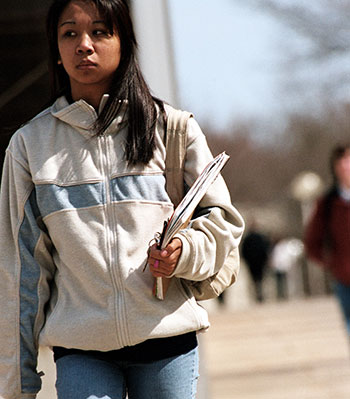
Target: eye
[[69, 33], [100, 32]]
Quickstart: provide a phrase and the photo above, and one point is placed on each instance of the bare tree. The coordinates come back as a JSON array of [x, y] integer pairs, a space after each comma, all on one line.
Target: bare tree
[[260, 175], [322, 62]]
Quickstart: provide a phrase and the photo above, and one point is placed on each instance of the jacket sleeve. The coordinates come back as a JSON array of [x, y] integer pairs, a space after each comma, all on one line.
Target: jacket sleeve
[[26, 268], [314, 236], [217, 228]]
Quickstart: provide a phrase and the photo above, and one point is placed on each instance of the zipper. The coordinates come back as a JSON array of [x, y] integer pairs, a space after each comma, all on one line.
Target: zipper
[[119, 308]]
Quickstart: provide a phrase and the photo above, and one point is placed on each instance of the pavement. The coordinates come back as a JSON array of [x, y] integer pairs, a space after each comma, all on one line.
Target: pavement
[[281, 350]]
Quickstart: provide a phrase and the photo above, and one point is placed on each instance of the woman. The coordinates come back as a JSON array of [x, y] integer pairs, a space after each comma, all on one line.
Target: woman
[[82, 194], [328, 230]]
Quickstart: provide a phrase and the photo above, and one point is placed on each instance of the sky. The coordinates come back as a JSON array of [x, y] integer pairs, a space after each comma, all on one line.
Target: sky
[[230, 60]]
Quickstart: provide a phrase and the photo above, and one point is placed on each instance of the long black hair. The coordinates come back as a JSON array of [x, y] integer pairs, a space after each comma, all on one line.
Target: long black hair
[[127, 83]]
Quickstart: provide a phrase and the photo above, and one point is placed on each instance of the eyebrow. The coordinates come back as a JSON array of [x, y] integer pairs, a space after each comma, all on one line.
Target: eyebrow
[[74, 23]]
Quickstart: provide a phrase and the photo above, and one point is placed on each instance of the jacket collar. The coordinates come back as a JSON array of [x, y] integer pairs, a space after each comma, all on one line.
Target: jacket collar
[[82, 115], [344, 193]]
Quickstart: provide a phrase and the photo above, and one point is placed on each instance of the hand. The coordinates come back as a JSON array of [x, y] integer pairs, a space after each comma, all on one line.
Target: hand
[[162, 263]]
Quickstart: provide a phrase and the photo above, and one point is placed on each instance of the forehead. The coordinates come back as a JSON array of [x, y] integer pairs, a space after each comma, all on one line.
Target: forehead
[[344, 157], [80, 10]]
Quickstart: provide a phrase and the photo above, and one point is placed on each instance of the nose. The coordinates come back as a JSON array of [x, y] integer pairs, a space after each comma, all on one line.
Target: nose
[[85, 45]]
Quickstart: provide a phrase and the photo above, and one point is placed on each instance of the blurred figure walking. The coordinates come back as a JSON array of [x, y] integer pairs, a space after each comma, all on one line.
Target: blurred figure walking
[[285, 255], [255, 251], [327, 235]]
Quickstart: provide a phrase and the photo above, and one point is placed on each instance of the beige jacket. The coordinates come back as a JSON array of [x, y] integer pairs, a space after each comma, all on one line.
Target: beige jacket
[[76, 222]]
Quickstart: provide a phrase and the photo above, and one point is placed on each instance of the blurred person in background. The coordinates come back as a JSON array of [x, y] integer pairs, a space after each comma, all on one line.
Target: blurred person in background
[[285, 255], [255, 251], [327, 234]]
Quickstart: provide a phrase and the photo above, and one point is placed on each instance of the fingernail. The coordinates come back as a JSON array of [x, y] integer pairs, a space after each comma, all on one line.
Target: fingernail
[[156, 264]]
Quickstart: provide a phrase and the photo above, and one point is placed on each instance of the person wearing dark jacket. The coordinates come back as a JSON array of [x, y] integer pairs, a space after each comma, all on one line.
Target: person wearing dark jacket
[[327, 234]]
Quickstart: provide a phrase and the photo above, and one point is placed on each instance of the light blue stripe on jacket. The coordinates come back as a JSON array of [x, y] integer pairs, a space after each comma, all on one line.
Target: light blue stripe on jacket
[[53, 198], [29, 234], [139, 187]]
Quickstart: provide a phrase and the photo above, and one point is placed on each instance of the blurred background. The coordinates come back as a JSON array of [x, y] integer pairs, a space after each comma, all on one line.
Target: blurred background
[[268, 81]]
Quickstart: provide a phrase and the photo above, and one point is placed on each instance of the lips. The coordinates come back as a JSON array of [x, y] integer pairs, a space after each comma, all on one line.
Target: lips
[[86, 64]]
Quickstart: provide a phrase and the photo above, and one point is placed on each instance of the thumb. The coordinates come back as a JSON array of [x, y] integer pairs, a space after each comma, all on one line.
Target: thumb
[[174, 245]]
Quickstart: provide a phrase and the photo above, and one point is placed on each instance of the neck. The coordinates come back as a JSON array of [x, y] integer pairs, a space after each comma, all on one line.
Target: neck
[[344, 184], [92, 95]]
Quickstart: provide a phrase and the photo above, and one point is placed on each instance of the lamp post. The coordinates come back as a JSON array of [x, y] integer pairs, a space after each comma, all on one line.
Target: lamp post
[[306, 187]]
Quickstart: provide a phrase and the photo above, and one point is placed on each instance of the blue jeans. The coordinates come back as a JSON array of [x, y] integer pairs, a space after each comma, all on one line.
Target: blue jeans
[[87, 377], [343, 293]]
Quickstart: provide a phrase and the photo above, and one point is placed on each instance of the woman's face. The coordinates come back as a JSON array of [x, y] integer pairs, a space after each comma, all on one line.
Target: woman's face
[[89, 53], [342, 169]]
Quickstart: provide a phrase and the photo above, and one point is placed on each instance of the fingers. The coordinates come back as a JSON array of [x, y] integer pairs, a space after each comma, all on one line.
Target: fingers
[[162, 267], [162, 263]]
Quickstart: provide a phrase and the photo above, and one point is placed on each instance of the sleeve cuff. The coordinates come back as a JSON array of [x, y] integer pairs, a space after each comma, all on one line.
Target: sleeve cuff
[[184, 258]]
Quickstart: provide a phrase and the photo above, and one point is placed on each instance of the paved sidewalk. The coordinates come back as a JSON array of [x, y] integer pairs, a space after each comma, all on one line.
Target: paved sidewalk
[[290, 350]]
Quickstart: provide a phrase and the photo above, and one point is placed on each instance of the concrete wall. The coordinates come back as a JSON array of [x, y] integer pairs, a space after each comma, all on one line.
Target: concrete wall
[[156, 57]]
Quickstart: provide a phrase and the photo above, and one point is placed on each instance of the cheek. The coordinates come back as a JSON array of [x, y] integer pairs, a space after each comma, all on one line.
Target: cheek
[[343, 172], [61, 52], [344, 165], [112, 62], [66, 51], [117, 61], [116, 50]]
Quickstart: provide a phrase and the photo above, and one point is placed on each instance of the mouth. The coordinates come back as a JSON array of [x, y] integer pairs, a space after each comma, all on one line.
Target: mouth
[[86, 64]]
